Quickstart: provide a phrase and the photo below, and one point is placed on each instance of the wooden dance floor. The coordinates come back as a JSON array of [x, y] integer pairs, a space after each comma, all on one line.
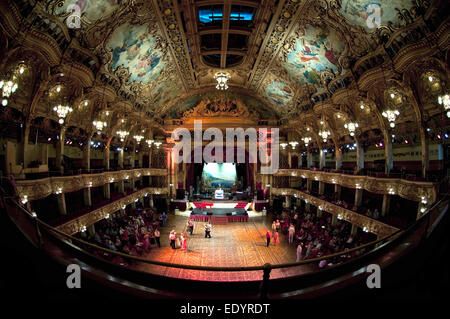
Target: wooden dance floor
[[231, 245]]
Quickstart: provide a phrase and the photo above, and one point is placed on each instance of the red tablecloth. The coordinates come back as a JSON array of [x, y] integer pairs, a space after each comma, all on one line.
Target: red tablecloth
[[237, 218], [200, 218]]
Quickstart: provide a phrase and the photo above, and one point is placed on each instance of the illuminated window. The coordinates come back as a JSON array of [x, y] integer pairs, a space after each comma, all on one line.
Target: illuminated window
[[210, 14]]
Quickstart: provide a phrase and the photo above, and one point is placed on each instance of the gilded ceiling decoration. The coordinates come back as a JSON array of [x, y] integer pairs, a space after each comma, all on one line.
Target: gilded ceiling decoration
[[291, 60]]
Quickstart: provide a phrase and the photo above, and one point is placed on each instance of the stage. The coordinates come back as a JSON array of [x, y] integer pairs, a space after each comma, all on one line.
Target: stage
[[229, 211]]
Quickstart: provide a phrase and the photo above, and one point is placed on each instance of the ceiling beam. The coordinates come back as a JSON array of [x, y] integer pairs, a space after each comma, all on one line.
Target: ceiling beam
[[225, 32]]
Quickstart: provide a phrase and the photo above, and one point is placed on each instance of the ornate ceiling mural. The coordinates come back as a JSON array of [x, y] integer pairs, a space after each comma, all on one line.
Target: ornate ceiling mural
[[90, 10], [139, 55], [363, 12], [134, 48], [279, 92], [315, 50]]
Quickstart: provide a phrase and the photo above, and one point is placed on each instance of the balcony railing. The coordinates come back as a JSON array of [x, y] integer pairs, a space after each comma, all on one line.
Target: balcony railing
[[383, 252], [40, 188], [411, 190]]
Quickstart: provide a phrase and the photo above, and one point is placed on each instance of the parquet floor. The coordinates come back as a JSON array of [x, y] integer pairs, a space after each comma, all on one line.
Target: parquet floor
[[232, 245]]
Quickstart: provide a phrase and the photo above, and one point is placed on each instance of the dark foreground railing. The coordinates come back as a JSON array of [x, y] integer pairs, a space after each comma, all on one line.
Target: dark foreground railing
[[55, 242]]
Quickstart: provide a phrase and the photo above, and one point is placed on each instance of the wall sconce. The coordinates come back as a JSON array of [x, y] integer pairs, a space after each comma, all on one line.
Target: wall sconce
[[25, 199]]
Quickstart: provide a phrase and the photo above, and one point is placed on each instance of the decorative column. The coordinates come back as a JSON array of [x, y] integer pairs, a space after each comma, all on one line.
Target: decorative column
[[425, 150], [309, 184], [359, 157], [121, 185], [91, 230], [358, 197], [60, 150], [61, 203], [107, 191], [133, 156], [307, 206], [338, 155], [322, 159], [334, 220], [354, 230], [309, 159], [389, 161], [106, 153], [321, 188], [151, 201], [120, 157], [24, 159], [386, 205], [337, 191], [87, 153], [288, 201], [87, 196], [290, 159]]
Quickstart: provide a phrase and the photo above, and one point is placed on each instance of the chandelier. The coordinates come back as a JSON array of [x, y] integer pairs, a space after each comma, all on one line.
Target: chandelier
[[307, 140], [222, 79], [149, 142], [351, 127], [62, 111], [99, 125], [324, 134], [8, 87], [445, 100], [391, 116], [138, 138], [122, 134], [283, 145], [293, 144], [157, 144]]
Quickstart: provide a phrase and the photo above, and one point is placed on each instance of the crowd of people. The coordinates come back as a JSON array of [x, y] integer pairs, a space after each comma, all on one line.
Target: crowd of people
[[315, 236], [134, 233]]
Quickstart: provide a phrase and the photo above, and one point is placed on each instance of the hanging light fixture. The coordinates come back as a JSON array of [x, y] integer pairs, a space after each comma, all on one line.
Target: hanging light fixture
[[445, 101], [62, 111], [324, 134], [306, 140], [222, 79], [138, 138], [122, 134], [99, 125], [391, 115], [158, 144], [149, 142], [293, 144], [351, 126], [9, 86], [283, 145]]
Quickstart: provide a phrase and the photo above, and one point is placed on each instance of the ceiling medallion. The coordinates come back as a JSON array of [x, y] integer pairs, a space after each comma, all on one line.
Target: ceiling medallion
[[222, 79]]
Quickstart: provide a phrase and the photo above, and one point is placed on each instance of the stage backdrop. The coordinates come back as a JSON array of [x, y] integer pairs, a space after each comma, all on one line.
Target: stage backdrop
[[216, 175]]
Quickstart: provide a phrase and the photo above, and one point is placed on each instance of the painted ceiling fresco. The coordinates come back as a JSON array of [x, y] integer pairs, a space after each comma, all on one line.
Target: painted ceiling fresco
[[133, 48], [362, 12], [143, 54], [318, 50], [91, 10], [279, 93]]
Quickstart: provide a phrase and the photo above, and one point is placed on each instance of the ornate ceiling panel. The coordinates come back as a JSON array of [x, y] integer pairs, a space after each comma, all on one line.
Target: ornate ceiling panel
[[285, 57]]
